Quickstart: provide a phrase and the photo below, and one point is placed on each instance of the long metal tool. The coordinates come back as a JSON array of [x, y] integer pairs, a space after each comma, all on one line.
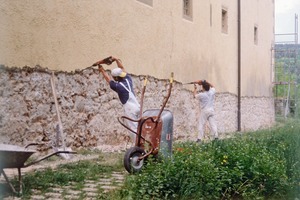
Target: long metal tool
[[167, 97], [142, 97], [60, 131], [107, 61], [189, 83]]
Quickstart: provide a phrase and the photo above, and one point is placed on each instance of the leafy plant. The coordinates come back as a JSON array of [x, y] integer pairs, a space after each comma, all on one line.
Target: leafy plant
[[264, 164]]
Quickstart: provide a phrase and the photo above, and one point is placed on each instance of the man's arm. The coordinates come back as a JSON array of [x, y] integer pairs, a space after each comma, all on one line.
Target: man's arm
[[119, 63], [210, 84], [195, 90], [200, 82], [106, 77]]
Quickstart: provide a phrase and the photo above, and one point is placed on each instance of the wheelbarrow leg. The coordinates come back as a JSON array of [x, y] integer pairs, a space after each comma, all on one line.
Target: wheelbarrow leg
[[10, 185], [20, 181]]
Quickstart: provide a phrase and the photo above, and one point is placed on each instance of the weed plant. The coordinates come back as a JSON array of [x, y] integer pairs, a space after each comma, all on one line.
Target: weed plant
[[260, 165]]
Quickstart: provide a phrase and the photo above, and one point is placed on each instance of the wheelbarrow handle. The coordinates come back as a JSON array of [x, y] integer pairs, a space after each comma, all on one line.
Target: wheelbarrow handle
[[141, 125], [167, 97], [35, 143], [122, 123], [134, 120], [47, 156], [143, 94]]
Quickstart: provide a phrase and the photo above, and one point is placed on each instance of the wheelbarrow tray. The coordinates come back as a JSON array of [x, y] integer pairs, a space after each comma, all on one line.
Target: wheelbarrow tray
[[12, 156], [164, 143]]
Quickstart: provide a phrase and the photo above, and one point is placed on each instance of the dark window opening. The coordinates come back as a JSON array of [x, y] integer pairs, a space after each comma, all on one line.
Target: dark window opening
[[224, 21], [148, 2], [255, 35], [187, 9]]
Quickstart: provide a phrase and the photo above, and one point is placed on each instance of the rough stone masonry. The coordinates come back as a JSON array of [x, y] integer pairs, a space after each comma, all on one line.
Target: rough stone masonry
[[89, 108]]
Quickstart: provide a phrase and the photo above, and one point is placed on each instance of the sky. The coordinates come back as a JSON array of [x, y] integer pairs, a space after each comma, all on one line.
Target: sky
[[285, 11]]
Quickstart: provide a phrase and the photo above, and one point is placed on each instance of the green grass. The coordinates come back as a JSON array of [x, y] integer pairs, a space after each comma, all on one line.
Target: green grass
[[72, 174]]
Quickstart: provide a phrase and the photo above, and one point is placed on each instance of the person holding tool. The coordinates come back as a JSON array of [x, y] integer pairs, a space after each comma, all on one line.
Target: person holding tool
[[206, 98], [123, 86]]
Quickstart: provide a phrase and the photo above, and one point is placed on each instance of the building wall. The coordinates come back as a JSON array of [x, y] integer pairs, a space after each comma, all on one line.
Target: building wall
[[150, 40], [154, 40], [257, 58]]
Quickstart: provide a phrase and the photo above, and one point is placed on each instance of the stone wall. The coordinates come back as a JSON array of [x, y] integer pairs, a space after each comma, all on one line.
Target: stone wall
[[257, 113], [89, 108]]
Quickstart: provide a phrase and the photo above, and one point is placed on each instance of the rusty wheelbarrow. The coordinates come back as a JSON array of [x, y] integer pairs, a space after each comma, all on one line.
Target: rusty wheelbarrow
[[13, 156], [154, 134]]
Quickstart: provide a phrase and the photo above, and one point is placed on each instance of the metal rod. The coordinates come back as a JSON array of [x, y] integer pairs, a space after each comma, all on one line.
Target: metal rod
[[8, 182], [285, 34], [20, 181], [296, 29], [239, 68], [167, 97], [47, 156], [142, 97]]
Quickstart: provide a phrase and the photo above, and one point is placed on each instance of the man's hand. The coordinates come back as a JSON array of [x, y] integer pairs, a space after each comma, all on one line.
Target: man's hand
[[199, 82], [100, 68], [195, 89], [106, 61], [96, 63], [113, 58]]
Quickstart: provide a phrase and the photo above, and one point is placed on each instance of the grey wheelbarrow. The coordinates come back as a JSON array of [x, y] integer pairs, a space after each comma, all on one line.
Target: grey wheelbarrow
[[13, 156]]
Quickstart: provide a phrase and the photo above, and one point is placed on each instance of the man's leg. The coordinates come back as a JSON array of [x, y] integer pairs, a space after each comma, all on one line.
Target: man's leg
[[213, 126], [133, 126], [132, 112], [201, 125]]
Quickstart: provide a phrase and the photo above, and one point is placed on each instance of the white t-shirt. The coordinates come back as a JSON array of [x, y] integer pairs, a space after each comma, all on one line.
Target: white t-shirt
[[207, 98]]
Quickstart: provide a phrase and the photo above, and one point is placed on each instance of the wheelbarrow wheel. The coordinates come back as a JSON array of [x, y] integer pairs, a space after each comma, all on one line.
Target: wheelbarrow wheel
[[131, 159]]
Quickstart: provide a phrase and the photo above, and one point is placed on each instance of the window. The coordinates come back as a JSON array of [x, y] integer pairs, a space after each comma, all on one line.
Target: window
[[187, 9], [224, 20], [148, 2], [255, 34]]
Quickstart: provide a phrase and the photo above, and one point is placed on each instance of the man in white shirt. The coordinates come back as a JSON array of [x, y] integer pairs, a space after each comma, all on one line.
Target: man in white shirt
[[206, 98]]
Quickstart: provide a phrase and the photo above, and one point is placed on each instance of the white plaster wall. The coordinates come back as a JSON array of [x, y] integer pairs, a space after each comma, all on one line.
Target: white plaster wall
[[68, 35], [257, 58]]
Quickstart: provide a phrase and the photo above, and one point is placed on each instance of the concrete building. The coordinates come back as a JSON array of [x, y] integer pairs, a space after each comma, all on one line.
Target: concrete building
[[228, 42]]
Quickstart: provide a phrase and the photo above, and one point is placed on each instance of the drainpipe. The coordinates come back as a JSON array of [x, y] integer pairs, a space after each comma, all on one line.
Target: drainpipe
[[239, 67]]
